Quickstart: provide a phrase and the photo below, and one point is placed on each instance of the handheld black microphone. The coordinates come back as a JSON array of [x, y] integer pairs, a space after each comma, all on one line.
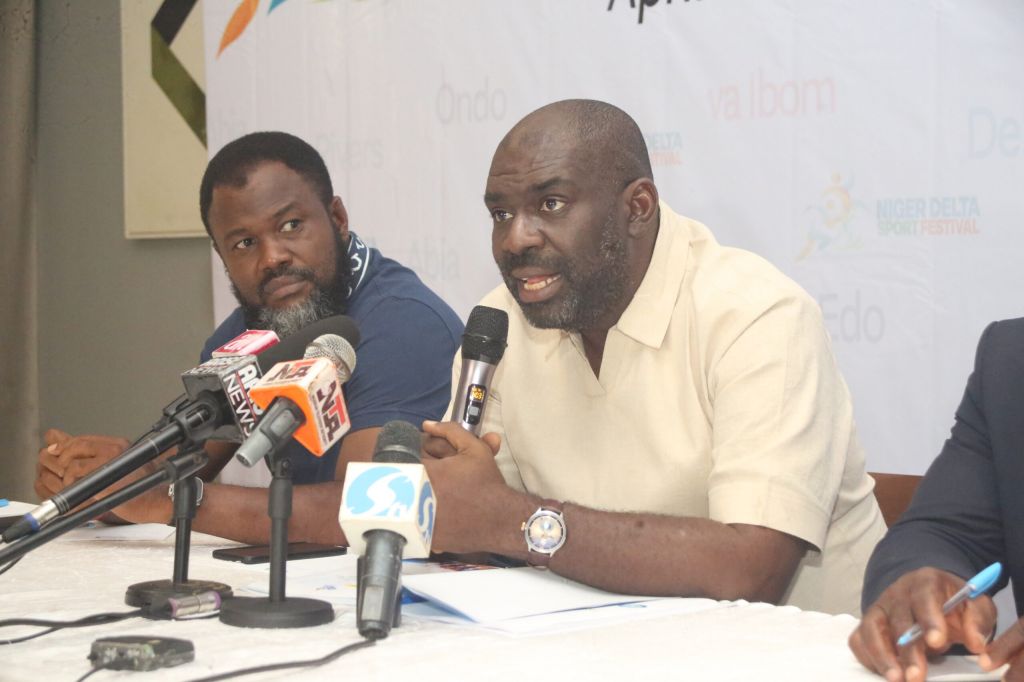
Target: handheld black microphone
[[387, 511], [483, 345], [209, 411]]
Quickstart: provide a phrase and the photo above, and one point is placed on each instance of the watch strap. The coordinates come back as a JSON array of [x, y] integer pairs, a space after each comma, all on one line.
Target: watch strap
[[553, 505]]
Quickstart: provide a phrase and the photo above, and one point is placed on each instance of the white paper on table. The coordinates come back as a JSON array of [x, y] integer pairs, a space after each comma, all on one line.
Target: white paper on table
[[567, 621], [333, 579], [15, 508], [960, 669], [488, 596]]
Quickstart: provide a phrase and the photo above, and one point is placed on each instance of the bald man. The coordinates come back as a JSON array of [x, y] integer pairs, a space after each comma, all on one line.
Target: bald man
[[668, 418]]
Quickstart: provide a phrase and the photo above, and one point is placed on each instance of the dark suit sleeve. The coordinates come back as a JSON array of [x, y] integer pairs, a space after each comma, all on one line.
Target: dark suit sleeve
[[954, 521]]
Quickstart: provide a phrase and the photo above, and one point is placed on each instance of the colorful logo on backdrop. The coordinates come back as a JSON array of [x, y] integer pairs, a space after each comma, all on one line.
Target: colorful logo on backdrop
[[929, 216], [832, 220], [242, 17], [665, 147]]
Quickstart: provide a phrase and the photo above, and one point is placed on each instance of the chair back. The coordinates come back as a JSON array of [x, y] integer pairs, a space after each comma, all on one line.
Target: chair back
[[894, 492]]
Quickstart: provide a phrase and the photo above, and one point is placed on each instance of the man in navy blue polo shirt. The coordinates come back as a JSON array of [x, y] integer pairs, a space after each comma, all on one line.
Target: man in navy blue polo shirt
[[267, 202]]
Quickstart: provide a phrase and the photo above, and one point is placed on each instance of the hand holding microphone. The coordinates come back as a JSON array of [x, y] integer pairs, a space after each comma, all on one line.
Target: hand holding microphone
[[469, 487], [483, 345]]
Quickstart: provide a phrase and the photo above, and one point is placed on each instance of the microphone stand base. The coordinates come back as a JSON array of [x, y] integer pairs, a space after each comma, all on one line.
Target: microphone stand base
[[157, 592], [260, 612]]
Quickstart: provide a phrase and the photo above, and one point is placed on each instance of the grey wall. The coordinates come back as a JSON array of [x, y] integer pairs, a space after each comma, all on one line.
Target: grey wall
[[118, 319]]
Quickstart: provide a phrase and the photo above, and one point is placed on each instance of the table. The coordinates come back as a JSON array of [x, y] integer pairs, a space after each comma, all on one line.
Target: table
[[68, 579]]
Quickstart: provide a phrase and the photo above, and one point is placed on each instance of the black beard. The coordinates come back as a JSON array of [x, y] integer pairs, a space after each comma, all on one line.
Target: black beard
[[323, 301], [588, 294]]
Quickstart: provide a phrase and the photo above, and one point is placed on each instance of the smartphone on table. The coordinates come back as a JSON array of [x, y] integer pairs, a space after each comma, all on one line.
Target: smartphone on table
[[260, 554]]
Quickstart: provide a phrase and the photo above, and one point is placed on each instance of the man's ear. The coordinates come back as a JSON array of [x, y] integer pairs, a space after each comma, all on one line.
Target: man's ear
[[642, 199], [339, 216]]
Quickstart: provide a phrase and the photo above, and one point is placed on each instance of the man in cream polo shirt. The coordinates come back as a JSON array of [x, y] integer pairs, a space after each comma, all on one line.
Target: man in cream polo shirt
[[668, 418]]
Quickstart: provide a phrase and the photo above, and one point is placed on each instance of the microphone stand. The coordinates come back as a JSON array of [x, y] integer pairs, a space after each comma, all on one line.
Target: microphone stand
[[152, 593], [277, 610]]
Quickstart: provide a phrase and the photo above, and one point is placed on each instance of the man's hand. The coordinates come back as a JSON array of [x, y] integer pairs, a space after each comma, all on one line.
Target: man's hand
[[471, 493], [67, 458], [1008, 648], [438, 447], [917, 597], [49, 473]]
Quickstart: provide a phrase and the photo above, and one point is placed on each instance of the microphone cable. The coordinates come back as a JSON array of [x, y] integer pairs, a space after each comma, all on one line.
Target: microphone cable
[[54, 625], [333, 656], [193, 607], [89, 674]]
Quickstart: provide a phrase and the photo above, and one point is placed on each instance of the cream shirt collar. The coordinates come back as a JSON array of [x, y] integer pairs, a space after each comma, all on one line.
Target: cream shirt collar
[[647, 316]]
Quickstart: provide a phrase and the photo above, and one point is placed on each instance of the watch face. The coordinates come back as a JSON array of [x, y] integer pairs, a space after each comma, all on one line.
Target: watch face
[[545, 532]]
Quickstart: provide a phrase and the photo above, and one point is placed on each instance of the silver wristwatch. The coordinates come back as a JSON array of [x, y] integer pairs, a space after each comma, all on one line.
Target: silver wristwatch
[[545, 533]]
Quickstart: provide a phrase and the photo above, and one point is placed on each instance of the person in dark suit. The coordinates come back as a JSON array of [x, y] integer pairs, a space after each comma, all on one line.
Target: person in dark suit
[[967, 513]]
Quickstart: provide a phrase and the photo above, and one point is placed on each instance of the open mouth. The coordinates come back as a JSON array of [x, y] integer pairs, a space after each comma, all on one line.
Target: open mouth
[[539, 283], [537, 288]]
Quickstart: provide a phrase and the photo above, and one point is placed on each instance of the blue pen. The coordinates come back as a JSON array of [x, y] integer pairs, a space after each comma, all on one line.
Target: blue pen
[[3, 502], [974, 588]]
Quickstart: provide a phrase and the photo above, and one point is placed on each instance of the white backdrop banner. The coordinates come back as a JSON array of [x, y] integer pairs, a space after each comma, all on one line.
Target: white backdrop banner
[[873, 150]]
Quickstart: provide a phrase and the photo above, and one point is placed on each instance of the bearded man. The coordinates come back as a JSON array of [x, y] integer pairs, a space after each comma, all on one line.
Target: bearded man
[[668, 418], [268, 205]]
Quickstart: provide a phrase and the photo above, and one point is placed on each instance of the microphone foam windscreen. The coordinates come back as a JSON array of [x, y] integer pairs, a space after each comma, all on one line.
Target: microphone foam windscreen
[[398, 443], [337, 350], [293, 347], [485, 335]]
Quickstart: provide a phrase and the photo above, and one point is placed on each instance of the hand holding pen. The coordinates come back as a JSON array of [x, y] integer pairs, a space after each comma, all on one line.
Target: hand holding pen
[[972, 589], [918, 597]]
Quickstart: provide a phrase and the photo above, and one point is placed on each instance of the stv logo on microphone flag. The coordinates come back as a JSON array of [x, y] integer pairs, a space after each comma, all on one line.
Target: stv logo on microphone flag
[[381, 491], [397, 497]]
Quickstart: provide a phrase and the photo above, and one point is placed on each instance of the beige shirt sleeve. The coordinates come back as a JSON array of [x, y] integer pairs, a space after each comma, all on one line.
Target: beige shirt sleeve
[[780, 405]]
